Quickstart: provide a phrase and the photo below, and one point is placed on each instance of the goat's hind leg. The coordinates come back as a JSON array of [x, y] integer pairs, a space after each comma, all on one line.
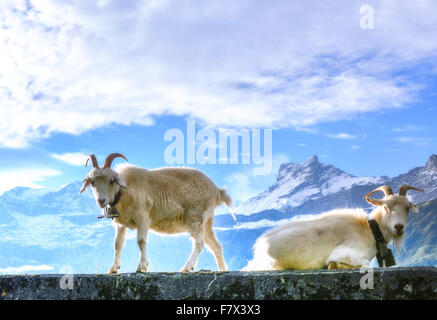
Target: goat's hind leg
[[197, 231], [142, 241], [215, 247]]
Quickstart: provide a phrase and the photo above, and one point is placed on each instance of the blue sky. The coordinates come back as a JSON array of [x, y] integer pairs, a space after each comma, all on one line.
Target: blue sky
[[80, 77]]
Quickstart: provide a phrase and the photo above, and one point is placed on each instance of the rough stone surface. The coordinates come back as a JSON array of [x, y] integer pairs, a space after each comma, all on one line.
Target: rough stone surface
[[390, 283]]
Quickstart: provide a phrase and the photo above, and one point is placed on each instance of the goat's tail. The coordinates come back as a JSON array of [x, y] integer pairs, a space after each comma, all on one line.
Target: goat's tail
[[226, 199]]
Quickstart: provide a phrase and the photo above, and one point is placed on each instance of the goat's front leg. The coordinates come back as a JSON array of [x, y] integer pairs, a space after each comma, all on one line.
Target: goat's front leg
[[340, 265], [142, 241], [346, 257], [120, 234]]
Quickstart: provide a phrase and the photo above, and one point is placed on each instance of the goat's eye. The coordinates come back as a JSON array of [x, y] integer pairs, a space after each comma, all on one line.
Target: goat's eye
[[92, 183], [112, 181]]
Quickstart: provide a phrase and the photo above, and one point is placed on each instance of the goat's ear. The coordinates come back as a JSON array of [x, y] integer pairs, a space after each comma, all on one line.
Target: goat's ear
[[121, 182], [414, 208], [85, 184], [375, 202]]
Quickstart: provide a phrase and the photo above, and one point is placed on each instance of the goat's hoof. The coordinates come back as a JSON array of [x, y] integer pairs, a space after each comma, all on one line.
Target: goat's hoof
[[142, 268], [114, 269], [187, 269], [340, 265]]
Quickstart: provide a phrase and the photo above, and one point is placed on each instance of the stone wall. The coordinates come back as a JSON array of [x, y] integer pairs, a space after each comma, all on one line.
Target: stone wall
[[390, 283]]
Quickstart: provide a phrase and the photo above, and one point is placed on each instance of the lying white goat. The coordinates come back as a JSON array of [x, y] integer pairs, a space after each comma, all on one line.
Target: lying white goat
[[167, 200], [336, 239]]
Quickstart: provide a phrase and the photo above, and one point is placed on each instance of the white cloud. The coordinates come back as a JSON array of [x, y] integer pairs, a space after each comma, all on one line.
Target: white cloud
[[73, 158], [355, 147], [306, 129], [264, 223], [24, 178], [419, 141], [70, 67], [25, 268], [409, 128], [345, 136]]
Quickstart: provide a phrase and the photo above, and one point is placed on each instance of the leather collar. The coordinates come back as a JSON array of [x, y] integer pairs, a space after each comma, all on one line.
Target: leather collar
[[383, 254], [116, 199]]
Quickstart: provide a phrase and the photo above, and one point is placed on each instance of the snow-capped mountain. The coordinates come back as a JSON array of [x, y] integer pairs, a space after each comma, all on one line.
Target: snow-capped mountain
[[420, 177], [297, 184], [315, 187], [39, 201]]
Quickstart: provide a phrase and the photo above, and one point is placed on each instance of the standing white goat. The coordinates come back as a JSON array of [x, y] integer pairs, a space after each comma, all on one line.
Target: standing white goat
[[336, 239], [167, 200]]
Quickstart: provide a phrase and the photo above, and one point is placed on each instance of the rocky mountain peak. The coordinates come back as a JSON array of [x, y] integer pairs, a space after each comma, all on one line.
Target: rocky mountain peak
[[288, 170], [432, 163], [313, 161], [299, 183]]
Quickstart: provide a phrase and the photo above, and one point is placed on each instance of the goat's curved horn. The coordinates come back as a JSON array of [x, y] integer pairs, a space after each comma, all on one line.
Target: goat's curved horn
[[404, 188], [93, 160], [111, 157], [386, 189], [375, 202]]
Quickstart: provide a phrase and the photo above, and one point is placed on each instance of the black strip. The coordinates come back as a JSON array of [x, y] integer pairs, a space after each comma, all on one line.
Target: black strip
[[117, 198], [168, 308], [376, 231], [383, 254]]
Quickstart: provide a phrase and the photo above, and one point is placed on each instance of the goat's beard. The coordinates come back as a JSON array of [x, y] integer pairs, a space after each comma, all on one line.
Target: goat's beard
[[398, 243]]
